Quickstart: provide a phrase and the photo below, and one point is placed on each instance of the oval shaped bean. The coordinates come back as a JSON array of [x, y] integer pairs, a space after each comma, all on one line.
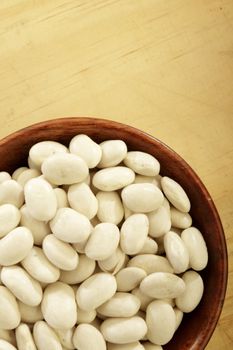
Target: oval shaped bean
[[142, 163], [103, 241], [30, 314], [64, 169], [56, 295], [159, 222], [44, 149], [198, 254], [179, 317], [130, 346], [180, 219], [9, 218], [39, 229], [114, 263], [9, 311], [85, 316], [26, 175], [87, 337], [70, 226], [123, 330], [145, 300], [95, 291], [120, 305], [110, 208], [11, 193], [40, 199], [129, 278], [175, 194], [142, 198], [82, 199], [113, 178], [62, 200], [113, 152], [149, 247], [151, 263], [134, 232], [192, 295], [161, 322], [4, 176], [85, 269], [87, 149], [45, 337], [39, 267], [66, 337], [24, 338], [15, 246], [176, 252], [22, 285], [149, 346], [60, 254], [5, 345], [162, 285], [17, 172]]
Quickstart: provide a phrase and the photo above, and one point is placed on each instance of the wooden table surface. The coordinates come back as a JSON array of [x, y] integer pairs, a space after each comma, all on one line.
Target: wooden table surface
[[163, 66]]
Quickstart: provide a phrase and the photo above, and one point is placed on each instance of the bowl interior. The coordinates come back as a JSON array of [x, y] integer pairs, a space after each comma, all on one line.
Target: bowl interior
[[198, 326]]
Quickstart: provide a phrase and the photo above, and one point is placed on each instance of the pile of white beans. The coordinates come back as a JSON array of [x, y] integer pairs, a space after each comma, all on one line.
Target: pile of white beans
[[97, 250]]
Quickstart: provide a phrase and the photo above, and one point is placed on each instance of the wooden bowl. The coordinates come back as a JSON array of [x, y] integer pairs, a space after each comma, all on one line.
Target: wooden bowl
[[198, 326]]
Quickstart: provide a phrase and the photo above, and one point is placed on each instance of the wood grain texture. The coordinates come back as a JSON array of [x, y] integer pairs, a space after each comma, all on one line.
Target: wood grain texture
[[163, 66]]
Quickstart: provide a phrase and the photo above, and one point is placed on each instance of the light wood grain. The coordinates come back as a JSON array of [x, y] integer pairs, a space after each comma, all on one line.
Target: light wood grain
[[163, 66]]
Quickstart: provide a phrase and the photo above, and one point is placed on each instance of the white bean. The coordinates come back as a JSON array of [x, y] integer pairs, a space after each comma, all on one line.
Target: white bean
[[159, 222], [113, 152], [161, 322], [176, 252], [39, 229], [17, 172], [142, 163], [4, 176], [103, 241], [130, 346], [134, 233], [149, 346], [129, 278], [95, 291], [70, 226], [85, 269], [113, 178], [179, 316], [9, 218], [60, 254], [114, 262], [87, 337], [192, 295], [87, 149], [175, 194], [26, 175], [9, 311], [45, 337], [151, 263], [40, 199], [65, 336], [58, 306], [120, 305], [4, 345], [42, 150], [123, 330], [142, 197], [62, 200], [64, 169], [110, 208], [82, 199], [11, 193], [85, 316], [24, 338], [150, 247], [148, 179], [145, 300], [39, 267], [22, 285], [30, 314], [15, 246], [180, 219], [162, 285], [198, 254]]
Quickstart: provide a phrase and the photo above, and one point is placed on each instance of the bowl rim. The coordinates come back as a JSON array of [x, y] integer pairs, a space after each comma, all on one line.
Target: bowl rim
[[95, 121]]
